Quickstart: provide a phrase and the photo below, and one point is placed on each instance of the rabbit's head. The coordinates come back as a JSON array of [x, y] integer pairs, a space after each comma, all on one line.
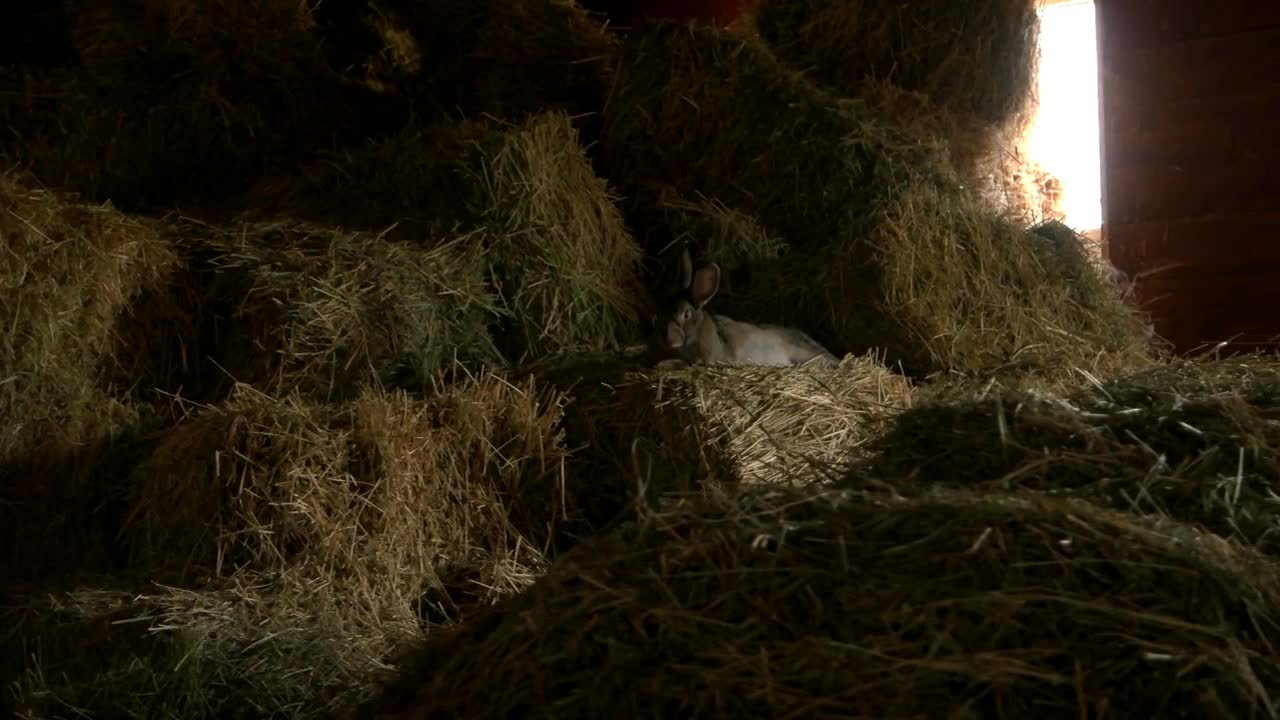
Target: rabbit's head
[[679, 326]]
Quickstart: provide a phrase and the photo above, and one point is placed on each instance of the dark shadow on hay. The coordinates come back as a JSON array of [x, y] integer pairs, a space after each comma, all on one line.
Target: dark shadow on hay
[[555, 248], [62, 508], [160, 129], [977, 58], [624, 452], [799, 604], [36, 34], [177, 343], [1197, 442], [502, 59]]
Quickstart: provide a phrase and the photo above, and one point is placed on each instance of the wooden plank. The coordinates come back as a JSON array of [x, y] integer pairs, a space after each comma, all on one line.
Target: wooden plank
[[1190, 315], [1208, 246], [1139, 24], [1166, 192], [1232, 128], [1207, 67]]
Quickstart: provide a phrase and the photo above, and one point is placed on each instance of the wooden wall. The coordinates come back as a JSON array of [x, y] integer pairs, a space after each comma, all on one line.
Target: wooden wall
[[1191, 162]]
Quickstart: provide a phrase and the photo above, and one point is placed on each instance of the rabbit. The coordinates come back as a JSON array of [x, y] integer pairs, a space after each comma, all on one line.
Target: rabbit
[[697, 336]]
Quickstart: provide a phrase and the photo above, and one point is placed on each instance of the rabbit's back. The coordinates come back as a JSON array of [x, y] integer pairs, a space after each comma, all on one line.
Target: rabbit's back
[[769, 345]]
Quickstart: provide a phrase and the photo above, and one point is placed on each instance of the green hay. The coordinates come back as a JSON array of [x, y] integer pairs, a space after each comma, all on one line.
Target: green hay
[[557, 250], [253, 646], [327, 313], [650, 432], [1195, 441], [181, 103], [890, 252], [805, 604], [972, 59]]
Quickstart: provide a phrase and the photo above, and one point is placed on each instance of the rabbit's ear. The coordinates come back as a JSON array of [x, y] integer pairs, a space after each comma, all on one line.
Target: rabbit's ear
[[705, 283], [686, 269]]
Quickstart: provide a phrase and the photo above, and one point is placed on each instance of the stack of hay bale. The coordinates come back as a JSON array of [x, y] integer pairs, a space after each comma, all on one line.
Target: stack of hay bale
[[320, 352]]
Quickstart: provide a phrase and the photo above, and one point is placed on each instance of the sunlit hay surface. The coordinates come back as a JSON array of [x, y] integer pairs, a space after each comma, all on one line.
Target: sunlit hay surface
[[637, 433], [180, 102], [329, 312], [780, 425], [978, 292], [1197, 441], [800, 603], [990, 160], [264, 645], [381, 499], [557, 249], [503, 59], [69, 271], [890, 252], [973, 58]]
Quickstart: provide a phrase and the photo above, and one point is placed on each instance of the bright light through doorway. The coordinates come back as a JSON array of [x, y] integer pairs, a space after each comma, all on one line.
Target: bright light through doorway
[[1064, 135]]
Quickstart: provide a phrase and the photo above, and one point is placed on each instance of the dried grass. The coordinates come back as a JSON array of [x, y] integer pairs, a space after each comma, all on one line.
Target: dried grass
[[380, 496], [290, 549], [803, 603], [1196, 441], [890, 253], [251, 646], [68, 272], [180, 102], [326, 313], [557, 250], [973, 64], [637, 433], [507, 60]]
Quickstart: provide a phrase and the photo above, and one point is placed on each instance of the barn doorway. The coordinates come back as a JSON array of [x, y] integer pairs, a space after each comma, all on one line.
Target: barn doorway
[[1064, 134]]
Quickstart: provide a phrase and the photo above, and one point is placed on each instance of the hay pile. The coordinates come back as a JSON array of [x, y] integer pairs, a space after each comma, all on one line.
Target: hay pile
[[180, 102], [69, 273], [383, 493], [1197, 441], [307, 542], [889, 251], [638, 433], [960, 72], [803, 604], [557, 250], [286, 306], [976, 58], [248, 647]]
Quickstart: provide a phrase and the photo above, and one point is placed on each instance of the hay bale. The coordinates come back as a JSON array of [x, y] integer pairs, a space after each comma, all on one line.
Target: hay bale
[[804, 604], [286, 306], [503, 59], [664, 222], [385, 497], [890, 252], [974, 59], [651, 432], [252, 646], [70, 272], [1189, 440], [182, 103], [556, 247]]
